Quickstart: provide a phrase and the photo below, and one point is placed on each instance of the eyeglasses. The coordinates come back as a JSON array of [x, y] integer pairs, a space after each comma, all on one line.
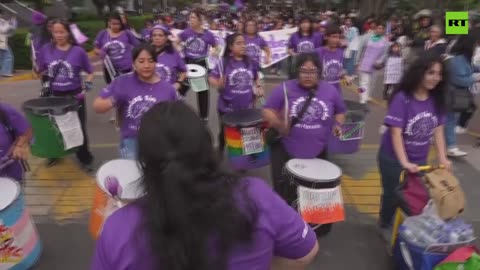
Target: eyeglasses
[[308, 72]]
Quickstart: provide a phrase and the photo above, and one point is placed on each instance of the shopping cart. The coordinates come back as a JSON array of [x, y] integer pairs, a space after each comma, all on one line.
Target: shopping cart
[[411, 197]]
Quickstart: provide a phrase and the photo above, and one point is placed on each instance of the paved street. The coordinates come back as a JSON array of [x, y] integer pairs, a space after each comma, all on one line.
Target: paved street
[[60, 198]]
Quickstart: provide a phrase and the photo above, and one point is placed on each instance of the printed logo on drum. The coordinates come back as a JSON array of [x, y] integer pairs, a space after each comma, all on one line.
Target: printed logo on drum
[[115, 49], [196, 46], [241, 80], [305, 46], [332, 69], [137, 107], [420, 128], [9, 253], [317, 112], [164, 72]]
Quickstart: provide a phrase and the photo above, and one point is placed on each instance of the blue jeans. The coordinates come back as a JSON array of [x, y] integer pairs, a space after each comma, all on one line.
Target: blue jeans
[[349, 63], [6, 62], [390, 171], [129, 148], [451, 123]]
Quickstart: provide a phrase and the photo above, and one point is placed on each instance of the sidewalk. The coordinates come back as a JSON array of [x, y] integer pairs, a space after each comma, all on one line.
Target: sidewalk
[[60, 197]]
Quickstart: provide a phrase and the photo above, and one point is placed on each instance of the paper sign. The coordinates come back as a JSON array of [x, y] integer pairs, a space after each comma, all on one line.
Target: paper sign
[[70, 128], [252, 142], [321, 206]]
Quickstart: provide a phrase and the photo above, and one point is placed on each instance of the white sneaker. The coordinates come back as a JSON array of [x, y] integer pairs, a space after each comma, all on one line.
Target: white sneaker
[[460, 130], [455, 152]]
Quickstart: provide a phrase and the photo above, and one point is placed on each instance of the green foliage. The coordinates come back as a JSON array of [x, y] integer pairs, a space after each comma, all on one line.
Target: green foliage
[[21, 52], [90, 28]]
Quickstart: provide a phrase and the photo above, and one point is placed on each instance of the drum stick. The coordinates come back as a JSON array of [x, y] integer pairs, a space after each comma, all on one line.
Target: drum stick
[[109, 67], [6, 163]]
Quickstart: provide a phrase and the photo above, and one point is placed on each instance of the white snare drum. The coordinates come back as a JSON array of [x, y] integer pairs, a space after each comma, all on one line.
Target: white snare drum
[[197, 76], [20, 246], [120, 179], [318, 190]]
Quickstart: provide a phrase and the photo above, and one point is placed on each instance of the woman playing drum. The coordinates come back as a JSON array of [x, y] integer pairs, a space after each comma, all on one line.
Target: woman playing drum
[[170, 65], [116, 42], [62, 62], [236, 77], [15, 136], [309, 136], [133, 94], [193, 206], [197, 42]]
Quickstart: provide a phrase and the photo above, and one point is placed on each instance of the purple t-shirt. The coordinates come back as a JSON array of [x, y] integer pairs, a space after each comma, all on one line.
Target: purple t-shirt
[[417, 119], [146, 34], [332, 64], [64, 67], [238, 91], [254, 47], [305, 44], [197, 44], [134, 97], [308, 138], [279, 231], [119, 49], [20, 125], [169, 65]]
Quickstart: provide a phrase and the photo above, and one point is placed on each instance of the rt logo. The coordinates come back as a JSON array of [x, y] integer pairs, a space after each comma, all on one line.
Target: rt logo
[[456, 23]]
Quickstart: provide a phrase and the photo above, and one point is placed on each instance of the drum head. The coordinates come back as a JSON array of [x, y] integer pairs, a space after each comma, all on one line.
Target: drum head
[[314, 170], [196, 71], [243, 118], [120, 178], [9, 191], [50, 105]]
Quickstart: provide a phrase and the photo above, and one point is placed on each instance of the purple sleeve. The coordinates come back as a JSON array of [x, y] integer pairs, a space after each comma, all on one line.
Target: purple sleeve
[[276, 100], [17, 120], [442, 119], [183, 35], [293, 238], [319, 40], [41, 58], [211, 39], [112, 90], [396, 111], [180, 63], [86, 65], [99, 39], [263, 43], [292, 41], [339, 103], [132, 39], [100, 260]]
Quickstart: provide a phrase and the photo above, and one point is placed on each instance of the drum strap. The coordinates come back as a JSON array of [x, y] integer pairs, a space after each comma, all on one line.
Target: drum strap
[[296, 119]]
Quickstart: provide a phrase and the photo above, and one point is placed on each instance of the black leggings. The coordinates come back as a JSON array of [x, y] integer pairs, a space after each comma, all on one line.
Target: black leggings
[[203, 97], [83, 153], [465, 116]]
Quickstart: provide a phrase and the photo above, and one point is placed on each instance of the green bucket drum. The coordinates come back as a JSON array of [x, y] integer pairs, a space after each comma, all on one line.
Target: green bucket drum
[[47, 139]]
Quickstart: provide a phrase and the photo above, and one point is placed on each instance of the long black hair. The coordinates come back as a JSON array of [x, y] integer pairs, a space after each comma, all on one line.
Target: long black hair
[[190, 201], [115, 16], [144, 47], [229, 41], [306, 57], [312, 27], [465, 45], [168, 46], [65, 25], [415, 74]]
